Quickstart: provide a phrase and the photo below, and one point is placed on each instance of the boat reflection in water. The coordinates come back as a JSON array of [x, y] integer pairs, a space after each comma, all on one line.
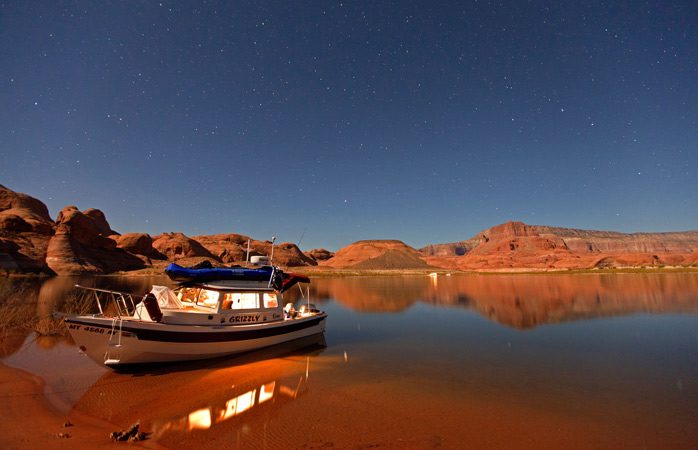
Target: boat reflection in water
[[279, 391], [176, 401]]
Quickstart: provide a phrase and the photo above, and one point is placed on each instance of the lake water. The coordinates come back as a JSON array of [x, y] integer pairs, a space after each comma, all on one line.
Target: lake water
[[467, 361]]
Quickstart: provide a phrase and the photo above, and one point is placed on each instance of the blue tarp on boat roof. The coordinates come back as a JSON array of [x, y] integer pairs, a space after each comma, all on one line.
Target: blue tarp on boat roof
[[184, 274]]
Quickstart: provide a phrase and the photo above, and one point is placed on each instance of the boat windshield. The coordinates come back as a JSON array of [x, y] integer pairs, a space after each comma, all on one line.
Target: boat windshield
[[208, 299], [249, 300], [190, 296]]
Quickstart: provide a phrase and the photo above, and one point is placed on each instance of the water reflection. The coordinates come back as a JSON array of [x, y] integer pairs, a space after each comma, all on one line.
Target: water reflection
[[278, 391], [522, 301], [430, 376], [26, 305], [519, 301], [205, 396]]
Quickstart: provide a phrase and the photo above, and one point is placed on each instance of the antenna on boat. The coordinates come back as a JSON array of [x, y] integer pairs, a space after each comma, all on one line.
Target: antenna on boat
[[247, 259], [273, 238], [302, 234]]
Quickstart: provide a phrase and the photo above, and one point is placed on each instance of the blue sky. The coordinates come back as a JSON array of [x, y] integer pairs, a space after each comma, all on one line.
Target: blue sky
[[323, 123]]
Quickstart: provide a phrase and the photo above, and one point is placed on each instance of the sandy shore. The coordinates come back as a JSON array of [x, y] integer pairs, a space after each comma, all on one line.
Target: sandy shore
[[30, 421]]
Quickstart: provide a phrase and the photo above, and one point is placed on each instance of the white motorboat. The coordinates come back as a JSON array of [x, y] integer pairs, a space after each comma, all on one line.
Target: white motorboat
[[213, 312]]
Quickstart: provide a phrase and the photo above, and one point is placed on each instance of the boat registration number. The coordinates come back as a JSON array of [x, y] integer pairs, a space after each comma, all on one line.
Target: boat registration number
[[90, 329]]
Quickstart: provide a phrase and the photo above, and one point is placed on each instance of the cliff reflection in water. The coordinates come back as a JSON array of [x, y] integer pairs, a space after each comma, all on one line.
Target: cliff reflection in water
[[516, 300], [520, 300]]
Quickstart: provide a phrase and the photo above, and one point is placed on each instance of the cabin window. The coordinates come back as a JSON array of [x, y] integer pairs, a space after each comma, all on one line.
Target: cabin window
[[250, 300], [188, 295], [241, 300], [227, 301], [207, 298], [270, 301]]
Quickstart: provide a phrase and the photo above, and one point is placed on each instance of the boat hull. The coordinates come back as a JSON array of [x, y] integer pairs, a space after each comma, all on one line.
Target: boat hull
[[113, 342]]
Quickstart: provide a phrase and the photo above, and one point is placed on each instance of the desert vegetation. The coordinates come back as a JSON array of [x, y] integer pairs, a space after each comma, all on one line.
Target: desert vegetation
[[19, 303]]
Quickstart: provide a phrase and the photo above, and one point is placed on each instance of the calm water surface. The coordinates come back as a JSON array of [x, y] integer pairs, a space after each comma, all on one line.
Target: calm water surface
[[471, 361]]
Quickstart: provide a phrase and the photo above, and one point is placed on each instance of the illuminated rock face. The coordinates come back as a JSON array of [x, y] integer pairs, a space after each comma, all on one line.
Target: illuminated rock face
[[25, 230], [377, 254], [79, 245], [83, 242], [177, 245], [582, 241], [228, 249], [138, 244], [78, 242], [514, 245], [319, 254]]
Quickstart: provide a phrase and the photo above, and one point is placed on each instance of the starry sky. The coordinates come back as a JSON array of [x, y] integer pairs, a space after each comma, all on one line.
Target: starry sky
[[327, 122]]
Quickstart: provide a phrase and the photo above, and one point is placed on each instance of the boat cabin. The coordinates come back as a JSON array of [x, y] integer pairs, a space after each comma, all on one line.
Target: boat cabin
[[222, 301], [207, 305]]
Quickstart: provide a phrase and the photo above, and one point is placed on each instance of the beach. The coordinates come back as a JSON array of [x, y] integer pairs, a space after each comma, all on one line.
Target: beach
[[30, 421]]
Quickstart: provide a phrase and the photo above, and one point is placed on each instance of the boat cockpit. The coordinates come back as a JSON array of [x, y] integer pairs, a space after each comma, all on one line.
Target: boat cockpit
[[205, 305]]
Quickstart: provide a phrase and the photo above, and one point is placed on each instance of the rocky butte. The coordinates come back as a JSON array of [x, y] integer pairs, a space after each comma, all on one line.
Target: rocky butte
[[82, 242], [515, 246]]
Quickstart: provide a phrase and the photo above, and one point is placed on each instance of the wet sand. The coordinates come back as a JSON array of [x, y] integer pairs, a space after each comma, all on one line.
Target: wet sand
[[405, 413], [30, 421]]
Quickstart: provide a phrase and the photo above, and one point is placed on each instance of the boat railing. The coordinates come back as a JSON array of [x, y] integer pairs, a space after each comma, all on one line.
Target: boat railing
[[124, 303]]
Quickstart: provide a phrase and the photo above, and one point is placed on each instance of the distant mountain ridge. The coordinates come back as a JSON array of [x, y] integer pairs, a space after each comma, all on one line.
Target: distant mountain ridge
[[578, 240], [82, 242], [516, 246]]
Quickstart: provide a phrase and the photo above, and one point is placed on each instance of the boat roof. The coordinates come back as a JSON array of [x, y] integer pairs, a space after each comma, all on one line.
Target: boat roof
[[187, 274], [232, 285], [264, 278]]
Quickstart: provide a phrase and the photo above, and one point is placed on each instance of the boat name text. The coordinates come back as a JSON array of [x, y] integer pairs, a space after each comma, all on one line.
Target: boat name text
[[236, 319]]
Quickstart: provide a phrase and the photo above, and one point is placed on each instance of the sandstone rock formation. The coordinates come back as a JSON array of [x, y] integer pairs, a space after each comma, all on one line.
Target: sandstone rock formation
[[82, 228], [99, 221], [515, 246], [30, 210], [319, 254], [228, 249], [453, 249], [25, 230], [288, 254], [232, 248], [76, 243], [83, 242], [377, 254], [78, 246], [176, 245], [583, 241], [138, 244], [616, 243]]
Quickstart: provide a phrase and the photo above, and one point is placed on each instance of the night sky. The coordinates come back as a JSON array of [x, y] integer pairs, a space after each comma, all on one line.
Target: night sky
[[326, 122]]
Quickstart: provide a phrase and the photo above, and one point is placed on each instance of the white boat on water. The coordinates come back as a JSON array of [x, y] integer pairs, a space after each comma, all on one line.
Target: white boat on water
[[213, 312]]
